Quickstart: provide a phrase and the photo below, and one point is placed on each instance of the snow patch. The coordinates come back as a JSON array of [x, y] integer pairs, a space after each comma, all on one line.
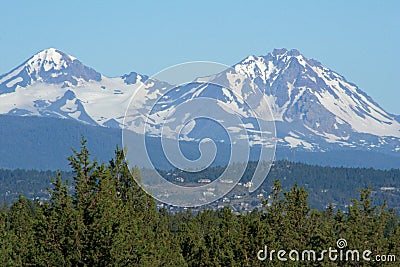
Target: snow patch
[[69, 106], [294, 142], [15, 81]]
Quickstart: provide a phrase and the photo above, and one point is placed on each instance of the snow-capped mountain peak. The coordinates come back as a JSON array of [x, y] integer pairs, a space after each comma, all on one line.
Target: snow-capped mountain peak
[[48, 59], [317, 101], [50, 66], [52, 83]]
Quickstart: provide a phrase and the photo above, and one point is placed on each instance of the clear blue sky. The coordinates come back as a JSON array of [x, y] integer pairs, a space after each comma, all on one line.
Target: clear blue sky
[[358, 39]]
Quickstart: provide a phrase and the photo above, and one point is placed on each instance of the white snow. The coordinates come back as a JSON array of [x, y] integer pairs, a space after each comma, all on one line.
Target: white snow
[[301, 60], [48, 59], [13, 82], [234, 129], [100, 104], [270, 70], [75, 114], [374, 120], [188, 127], [70, 106], [294, 142], [293, 134], [343, 108], [11, 74], [312, 79]]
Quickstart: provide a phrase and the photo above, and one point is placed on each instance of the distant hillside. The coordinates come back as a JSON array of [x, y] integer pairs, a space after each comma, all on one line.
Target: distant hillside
[[345, 158], [325, 185], [29, 183], [45, 143]]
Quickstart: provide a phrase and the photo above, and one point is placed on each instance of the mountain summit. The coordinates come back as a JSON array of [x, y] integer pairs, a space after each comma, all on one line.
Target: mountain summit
[[49, 66], [54, 84]]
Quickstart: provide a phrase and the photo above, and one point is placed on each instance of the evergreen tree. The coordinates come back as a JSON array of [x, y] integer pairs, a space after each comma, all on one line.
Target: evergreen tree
[[105, 218], [56, 229], [6, 240], [22, 216]]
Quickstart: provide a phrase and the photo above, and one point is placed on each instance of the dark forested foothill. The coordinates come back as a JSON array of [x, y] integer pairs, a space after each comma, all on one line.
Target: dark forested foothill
[[103, 218]]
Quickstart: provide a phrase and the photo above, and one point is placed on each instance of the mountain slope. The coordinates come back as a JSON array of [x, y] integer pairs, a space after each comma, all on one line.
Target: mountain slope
[[318, 109], [54, 84], [46, 143]]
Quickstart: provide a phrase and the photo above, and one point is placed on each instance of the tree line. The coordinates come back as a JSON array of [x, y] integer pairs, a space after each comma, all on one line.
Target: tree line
[[108, 220]]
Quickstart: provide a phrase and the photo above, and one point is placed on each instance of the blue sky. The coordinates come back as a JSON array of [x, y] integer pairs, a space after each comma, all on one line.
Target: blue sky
[[358, 39]]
